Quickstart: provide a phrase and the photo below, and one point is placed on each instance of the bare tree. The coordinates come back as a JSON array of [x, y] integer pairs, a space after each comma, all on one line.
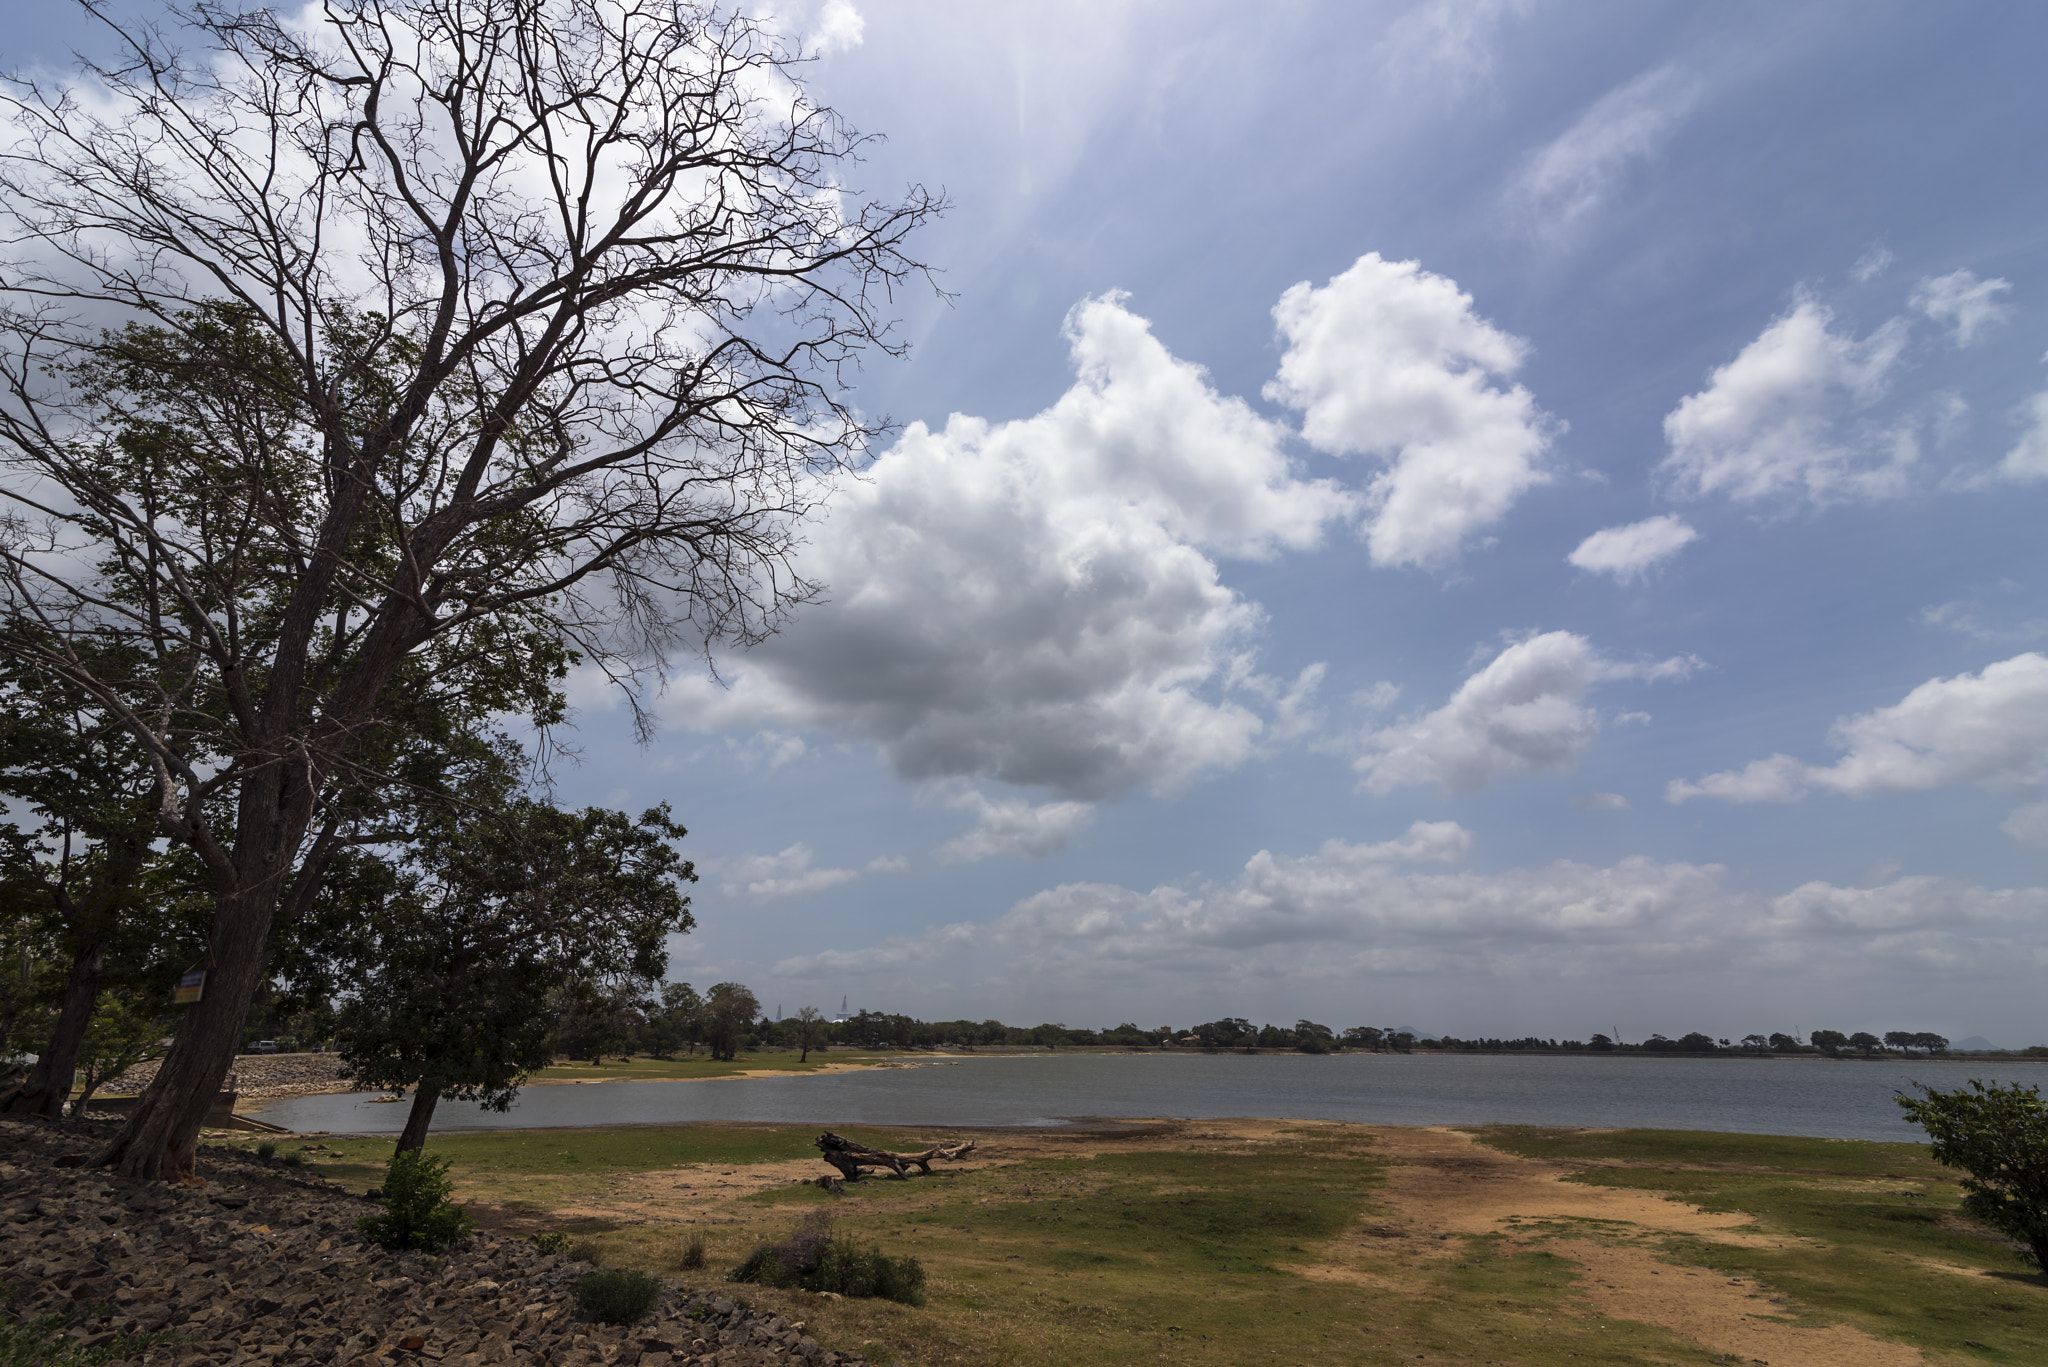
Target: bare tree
[[400, 329]]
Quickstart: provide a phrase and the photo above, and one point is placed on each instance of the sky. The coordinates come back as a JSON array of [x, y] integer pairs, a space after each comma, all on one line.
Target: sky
[[1499, 517]]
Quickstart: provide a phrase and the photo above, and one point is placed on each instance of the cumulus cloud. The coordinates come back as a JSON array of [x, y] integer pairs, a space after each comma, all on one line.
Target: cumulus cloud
[[1523, 713], [1628, 552], [1988, 729], [1390, 361], [1967, 305], [1036, 601], [1767, 426], [839, 28], [776, 877], [1565, 181], [1014, 826], [1351, 911]]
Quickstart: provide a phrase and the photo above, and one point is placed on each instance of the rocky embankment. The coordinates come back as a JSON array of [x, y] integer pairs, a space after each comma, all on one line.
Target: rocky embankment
[[262, 1267], [260, 1076]]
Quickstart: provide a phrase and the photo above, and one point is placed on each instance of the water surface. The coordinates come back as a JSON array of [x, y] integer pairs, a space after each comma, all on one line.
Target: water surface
[[1831, 1099]]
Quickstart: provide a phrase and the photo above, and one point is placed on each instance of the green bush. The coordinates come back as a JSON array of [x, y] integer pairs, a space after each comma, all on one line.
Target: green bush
[[266, 1149], [417, 1212], [693, 1253], [616, 1295], [295, 1159], [810, 1259], [584, 1251], [551, 1241]]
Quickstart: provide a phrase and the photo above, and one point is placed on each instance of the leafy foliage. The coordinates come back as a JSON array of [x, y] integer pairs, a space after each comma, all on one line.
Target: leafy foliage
[[810, 1259], [1999, 1136], [417, 1210], [616, 1295]]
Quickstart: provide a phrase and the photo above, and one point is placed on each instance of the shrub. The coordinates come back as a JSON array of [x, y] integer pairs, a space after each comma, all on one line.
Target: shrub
[[810, 1259], [551, 1241], [693, 1253], [616, 1295], [584, 1251], [417, 1212], [266, 1149], [295, 1159], [1999, 1135]]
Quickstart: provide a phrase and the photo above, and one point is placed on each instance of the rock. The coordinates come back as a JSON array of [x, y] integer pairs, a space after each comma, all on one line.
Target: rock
[[263, 1267]]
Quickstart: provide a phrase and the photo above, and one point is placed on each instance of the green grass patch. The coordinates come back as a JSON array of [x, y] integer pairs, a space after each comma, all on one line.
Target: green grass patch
[[1871, 1219]]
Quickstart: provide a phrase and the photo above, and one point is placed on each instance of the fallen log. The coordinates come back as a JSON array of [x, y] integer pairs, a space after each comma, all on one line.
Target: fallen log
[[849, 1157]]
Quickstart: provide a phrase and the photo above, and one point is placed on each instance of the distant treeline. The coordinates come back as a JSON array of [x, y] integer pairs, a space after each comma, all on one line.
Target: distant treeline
[[679, 1020]]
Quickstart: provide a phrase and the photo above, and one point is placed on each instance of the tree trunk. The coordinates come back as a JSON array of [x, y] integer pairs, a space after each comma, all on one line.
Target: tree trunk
[[161, 1138], [49, 1085], [425, 1096]]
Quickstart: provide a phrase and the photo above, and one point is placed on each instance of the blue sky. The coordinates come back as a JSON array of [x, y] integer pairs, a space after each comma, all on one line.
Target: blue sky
[[1501, 517]]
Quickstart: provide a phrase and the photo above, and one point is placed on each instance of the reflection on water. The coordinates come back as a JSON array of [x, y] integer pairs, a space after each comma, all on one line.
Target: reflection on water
[[1831, 1099]]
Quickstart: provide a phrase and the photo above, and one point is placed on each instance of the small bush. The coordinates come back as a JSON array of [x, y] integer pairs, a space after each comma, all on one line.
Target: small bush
[[810, 1259], [616, 1295], [295, 1159], [417, 1212], [551, 1241], [266, 1149], [584, 1251], [693, 1254]]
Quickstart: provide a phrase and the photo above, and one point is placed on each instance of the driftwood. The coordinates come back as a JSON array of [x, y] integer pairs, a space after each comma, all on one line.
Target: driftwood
[[850, 1158]]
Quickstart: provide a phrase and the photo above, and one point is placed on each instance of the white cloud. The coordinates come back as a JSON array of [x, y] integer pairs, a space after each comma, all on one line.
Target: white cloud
[[1034, 601], [1988, 729], [1388, 360], [776, 877], [1348, 913], [1628, 552], [2028, 825], [1565, 181], [1780, 778], [2028, 460], [1962, 301], [1445, 45], [1600, 802], [1014, 826], [1521, 714], [1767, 424], [840, 28], [1874, 262], [888, 863]]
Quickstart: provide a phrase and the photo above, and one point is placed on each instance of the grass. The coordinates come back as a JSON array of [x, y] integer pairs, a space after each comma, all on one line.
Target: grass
[[1226, 1253], [1870, 1217], [1189, 1256]]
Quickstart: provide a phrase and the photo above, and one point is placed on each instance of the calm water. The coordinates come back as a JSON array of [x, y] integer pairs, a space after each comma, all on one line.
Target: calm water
[[1841, 1100]]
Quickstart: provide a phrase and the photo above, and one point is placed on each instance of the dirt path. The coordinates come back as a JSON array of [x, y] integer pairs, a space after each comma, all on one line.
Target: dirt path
[[1448, 1185]]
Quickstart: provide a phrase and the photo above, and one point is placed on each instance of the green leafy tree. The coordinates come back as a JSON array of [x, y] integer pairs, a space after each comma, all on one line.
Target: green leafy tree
[[444, 953], [811, 1031], [588, 370], [729, 1013], [1829, 1041], [1311, 1038], [1999, 1136], [1865, 1043], [124, 1031]]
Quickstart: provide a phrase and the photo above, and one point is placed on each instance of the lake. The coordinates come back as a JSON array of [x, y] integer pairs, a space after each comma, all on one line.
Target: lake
[[1830, 1099]]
